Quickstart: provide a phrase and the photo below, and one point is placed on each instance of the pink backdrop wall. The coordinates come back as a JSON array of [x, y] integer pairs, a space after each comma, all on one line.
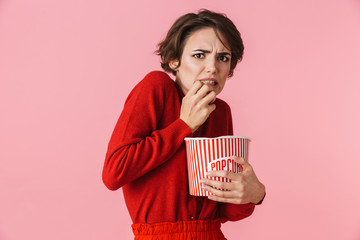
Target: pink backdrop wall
[[66, 68]]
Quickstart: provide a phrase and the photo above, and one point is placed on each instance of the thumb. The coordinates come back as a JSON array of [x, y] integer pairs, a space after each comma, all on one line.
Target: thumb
[[241, 161]]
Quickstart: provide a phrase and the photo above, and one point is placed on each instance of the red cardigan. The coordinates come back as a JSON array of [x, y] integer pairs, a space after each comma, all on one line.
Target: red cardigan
[[146, 156]]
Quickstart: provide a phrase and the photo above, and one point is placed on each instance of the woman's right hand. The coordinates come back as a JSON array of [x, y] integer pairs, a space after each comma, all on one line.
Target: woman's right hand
[[197, 105]]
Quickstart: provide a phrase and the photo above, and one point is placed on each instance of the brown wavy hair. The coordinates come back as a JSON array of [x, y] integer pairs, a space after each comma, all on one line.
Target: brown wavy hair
[[172, 46]]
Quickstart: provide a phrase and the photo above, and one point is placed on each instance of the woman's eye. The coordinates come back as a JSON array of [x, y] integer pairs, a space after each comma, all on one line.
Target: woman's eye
[[199, 55], [223, 58]]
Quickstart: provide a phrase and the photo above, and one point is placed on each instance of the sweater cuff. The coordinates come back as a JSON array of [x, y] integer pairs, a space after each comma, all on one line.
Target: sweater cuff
[[186, 129]]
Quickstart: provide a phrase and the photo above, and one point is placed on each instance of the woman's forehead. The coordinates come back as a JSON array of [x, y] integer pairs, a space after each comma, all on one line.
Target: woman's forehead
[[206, 39]]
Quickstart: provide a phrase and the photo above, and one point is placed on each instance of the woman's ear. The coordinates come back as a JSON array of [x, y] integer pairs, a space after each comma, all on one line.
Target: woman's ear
[[174, 64]]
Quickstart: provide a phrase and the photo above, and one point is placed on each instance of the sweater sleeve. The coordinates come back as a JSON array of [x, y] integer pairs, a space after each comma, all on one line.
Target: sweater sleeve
[[137, 146], [229, 211]]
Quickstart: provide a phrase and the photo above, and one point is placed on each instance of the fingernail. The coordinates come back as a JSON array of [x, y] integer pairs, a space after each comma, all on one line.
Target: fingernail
[[209, 173], [202, 180]]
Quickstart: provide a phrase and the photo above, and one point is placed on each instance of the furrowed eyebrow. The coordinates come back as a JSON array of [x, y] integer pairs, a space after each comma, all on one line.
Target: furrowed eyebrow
[[201, 50], [224, 54], [207, 51]]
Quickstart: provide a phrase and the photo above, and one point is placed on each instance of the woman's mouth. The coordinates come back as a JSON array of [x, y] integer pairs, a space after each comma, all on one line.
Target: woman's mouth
[[209, 82]]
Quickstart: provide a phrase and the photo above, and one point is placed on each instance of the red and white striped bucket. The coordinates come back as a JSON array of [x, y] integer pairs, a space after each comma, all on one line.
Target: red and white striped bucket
[[213, 154]]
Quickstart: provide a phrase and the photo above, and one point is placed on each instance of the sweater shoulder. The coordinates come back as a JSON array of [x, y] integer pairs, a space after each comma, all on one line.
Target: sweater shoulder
[[155, 84], [221, 104], [158, 80]]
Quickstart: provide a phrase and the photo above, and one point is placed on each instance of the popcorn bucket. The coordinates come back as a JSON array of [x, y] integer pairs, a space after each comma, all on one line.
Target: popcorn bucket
[[213, 154]]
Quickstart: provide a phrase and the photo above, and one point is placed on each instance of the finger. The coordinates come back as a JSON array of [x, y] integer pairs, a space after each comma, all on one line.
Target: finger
[[195, 88], [212, 107], [226, 200], [217, 184], [203, 91], [219, 192], [224, 196], [207, 99], [226, 174], [240, 160]]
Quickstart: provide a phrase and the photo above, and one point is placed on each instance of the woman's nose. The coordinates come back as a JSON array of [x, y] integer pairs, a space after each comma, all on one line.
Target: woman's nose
[[211, 66]]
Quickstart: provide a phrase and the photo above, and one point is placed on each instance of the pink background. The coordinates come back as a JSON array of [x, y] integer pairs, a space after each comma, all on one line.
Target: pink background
[[66, 68]]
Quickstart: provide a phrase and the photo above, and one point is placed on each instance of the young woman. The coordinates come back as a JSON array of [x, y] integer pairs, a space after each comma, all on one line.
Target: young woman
[[146, 153]]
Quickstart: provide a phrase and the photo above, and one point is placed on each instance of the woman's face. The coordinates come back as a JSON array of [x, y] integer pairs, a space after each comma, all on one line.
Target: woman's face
[[204, 58]]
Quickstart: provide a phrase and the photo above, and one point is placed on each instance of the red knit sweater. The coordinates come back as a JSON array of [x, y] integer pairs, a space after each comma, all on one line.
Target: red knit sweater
[[146, 156]]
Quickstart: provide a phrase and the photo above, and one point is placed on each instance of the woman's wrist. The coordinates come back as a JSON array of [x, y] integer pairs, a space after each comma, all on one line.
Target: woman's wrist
[[193, 129]]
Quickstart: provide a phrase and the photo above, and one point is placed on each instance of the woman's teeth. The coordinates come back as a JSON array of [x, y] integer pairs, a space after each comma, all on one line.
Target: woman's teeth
[[209, 82]]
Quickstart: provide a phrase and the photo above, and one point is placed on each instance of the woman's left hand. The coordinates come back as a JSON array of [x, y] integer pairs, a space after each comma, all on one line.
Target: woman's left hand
[[244, 187]]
